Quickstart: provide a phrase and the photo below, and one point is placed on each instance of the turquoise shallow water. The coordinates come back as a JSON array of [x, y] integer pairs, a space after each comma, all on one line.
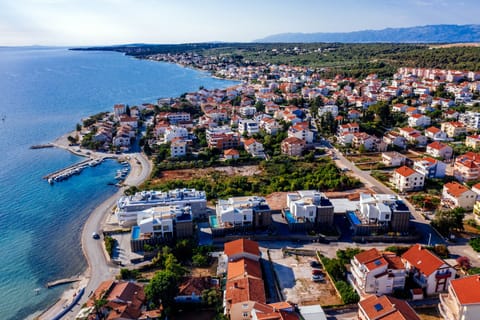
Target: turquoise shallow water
[[43, 94]]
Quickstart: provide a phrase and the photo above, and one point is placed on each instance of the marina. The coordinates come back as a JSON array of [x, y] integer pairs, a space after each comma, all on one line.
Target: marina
[[71, 170]]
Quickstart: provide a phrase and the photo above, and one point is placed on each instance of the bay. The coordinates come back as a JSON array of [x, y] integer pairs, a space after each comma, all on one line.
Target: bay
[[44, 92]]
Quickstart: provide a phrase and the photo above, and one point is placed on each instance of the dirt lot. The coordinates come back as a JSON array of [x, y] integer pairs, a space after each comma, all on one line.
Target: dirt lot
[[294, 274], [187, 174], [365, 158]]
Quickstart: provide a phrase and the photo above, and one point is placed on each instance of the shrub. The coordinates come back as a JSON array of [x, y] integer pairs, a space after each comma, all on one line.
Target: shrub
[[109, 245], [347, 293], [475, 244]]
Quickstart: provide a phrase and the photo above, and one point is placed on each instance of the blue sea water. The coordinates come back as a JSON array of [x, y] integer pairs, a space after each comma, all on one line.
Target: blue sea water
[[43, 94]]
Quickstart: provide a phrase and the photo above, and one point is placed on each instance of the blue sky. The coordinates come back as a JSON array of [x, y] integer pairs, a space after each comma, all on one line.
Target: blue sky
[[103, 22]]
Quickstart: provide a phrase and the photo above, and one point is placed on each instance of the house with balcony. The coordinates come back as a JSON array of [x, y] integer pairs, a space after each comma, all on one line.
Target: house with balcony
[[379, 213], [254, 148], [430, 168], [240, 214], [393, 159], [435, 134], [178, 148], [462, 302], [439, 150], [456, 195], [375, 272], [393, 138], [307, 210], [419, 120], [473, 141], [385, 308], [248, 127], [345, 132], [407, 179], [454, 129], [301, 130], [293, 146], [413, 136], [222, 138], [467, 167], [427, 270]]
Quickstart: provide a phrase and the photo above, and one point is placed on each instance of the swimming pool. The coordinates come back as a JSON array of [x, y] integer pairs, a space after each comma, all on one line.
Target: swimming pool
[[213, 221], [289, 217], [135, 233], [354, 218]]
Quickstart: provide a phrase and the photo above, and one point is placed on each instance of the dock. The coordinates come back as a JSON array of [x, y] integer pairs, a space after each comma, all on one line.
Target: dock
[[76, 168], [52, 284], [42, 146]]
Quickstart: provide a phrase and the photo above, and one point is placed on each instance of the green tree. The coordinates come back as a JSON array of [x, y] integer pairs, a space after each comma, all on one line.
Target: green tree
[[211, 297], [199, 260], [162, 288]]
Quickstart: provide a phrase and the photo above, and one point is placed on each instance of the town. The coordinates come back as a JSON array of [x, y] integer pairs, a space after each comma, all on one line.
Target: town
[[290, 196]]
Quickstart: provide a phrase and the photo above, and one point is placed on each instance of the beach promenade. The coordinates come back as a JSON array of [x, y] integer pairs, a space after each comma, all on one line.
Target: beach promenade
[[99, 268]]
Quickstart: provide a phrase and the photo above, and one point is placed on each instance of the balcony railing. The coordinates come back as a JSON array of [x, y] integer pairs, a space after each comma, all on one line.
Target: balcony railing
[[443, 275]]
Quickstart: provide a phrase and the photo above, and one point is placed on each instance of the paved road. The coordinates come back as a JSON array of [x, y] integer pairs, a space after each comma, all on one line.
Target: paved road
[[99, 269], [429, 235]]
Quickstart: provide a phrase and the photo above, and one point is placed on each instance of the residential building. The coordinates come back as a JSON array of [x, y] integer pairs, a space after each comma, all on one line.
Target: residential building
[[376, 272], [345, 132], [456, 195], [254, 147], [308, 209], [473, 141], [242, 249], [407, 179], [159, 224], [124, 300], [385, 308], [467, 167], [379, 213], [248, 127], [190, 289], [222, 138], [129, 207], [471, 119], [430, 168], [454, 129], [333, 109], [462, 302], [231, 154], [293, 146], [274, 311], [427, 270], [393, 138], [439, 150], [301, 130], [419, 120], [435, 134], [240, 213], [173, 132], [393, 159], [178, 148]]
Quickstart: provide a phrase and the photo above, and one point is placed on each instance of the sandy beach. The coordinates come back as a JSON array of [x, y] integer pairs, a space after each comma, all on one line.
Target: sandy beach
[[99, 267]]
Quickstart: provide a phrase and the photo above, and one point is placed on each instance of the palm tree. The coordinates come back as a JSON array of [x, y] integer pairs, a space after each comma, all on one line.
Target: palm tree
[[98, 305]]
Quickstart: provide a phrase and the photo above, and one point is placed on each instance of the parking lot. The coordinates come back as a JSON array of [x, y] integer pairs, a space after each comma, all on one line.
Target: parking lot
[[294, 274]]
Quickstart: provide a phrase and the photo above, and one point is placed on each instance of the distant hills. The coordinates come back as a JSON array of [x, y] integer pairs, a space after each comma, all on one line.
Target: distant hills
[[441, 33]]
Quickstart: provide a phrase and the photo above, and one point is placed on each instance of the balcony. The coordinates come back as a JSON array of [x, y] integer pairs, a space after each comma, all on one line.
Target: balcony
[[447, 308], [443, 275], [420, 280]]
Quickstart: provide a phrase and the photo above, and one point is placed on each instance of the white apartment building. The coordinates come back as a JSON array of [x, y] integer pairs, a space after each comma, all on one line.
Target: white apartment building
[[407, 179], [463, 299]]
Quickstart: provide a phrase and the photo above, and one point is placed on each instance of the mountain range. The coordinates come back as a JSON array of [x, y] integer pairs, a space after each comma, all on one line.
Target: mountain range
[[440, 33]]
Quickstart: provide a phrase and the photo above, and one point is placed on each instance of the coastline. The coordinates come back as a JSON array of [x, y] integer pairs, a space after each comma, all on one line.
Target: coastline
[[98, 266]]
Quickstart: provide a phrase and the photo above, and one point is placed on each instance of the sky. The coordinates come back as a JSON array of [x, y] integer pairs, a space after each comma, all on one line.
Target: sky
[[106, 22]]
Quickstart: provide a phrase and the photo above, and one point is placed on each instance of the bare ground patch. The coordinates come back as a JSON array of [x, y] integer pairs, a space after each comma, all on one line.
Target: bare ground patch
[[189, 174]]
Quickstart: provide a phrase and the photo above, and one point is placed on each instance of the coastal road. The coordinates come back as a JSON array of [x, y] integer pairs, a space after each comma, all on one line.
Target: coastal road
[[99, 269]]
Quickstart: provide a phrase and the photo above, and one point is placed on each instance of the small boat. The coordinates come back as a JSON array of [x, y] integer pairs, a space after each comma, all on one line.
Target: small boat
[[50, 180]]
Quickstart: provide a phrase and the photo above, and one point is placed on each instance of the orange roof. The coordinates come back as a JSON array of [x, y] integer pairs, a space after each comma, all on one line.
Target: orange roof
[[405, 171], [367, 256], [101, 291], [231, 152], [241, 246], [249, 141], [387, 308], [433, 130], [293, 140], [244, 267], [437, 145], [423, 259], [455, 188], [245, 289], [467, 289]]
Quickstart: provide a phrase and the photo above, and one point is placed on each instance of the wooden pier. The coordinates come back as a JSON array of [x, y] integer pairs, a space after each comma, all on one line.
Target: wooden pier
[[42, 146]]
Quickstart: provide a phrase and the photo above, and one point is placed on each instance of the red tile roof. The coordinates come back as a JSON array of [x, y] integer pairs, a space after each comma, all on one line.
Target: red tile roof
[[240, 246], [467, 289], [455, 189], [437, 145], [244, 267], [245, 289], [387, 308], [423, 259], [405, 171]]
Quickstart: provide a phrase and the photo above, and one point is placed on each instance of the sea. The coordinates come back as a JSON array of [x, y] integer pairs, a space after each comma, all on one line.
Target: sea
[[44, 93]]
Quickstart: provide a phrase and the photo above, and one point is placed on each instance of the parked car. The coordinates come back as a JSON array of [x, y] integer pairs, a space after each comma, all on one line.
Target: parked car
[[95, 236], [317, 272], [317, 277], [315, 264]]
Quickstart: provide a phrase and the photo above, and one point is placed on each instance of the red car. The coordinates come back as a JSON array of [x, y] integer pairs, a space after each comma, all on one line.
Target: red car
[[317, 272]]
